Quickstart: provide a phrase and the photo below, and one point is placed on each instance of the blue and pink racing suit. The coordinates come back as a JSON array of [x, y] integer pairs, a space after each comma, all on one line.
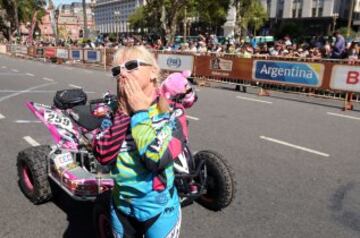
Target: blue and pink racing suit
[[142, 149]]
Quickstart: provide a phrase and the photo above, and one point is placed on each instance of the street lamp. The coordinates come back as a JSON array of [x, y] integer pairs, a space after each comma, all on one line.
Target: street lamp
[[350, 18], [334, 16], [117, 14]]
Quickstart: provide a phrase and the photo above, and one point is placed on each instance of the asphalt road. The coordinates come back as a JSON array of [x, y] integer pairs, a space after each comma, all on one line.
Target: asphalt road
[[296, 160]]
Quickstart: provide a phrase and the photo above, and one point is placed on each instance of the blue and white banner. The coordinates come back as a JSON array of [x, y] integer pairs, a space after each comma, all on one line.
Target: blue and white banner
[[175, 62], [307, 74], [92, 55], [76, 55]]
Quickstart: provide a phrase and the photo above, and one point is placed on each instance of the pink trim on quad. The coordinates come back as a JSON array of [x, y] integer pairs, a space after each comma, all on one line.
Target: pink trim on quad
[[54, 131], [27, 178]]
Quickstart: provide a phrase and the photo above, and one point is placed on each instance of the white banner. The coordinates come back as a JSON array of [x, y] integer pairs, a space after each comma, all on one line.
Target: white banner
[[175, 62], [62, 53], [346, 78]]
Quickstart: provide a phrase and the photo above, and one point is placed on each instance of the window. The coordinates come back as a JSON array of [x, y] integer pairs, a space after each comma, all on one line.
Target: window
[[320, 12], [313, 12]]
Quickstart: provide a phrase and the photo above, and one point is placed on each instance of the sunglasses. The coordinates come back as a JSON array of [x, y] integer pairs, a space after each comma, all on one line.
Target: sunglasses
[[129, 66]]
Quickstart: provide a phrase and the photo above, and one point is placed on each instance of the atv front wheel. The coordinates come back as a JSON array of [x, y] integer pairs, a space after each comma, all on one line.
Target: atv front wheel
[[220, 182], [32, 167], [101, 216]]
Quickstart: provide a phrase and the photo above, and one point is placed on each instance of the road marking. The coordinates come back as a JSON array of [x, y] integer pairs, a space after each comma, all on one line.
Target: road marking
[[29, 74], [197, 90], [253, 100], [68, 68], [343, 116], [48, 79], [2, 116], [192, 118], [26, 121], [31, 141], [15, 70], [294, 146], [74, 86], [25, 91], [3, 67]]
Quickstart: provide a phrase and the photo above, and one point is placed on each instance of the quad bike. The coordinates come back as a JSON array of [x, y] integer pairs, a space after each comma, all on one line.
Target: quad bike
[[204, 177]]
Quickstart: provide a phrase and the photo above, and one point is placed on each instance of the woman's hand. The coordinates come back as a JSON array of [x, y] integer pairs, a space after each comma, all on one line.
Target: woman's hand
[[135, 96]]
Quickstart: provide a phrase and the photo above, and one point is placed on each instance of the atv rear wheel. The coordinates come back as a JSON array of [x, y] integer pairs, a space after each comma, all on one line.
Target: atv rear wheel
[[220, 183], [101, 216], [32, 167]]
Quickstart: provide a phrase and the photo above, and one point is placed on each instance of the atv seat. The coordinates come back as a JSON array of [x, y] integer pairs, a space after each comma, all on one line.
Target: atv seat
[[83, 117]]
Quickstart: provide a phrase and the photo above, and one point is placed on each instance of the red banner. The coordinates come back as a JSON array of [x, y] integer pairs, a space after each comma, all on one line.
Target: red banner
[[50, 52]]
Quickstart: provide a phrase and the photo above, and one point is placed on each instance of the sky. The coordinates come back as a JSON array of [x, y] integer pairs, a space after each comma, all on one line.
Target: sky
[[57, 2]]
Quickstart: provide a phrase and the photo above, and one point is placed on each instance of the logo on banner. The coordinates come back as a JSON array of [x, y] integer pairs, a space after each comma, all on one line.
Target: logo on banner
[[173, 62], [309, 74], [221, 64]]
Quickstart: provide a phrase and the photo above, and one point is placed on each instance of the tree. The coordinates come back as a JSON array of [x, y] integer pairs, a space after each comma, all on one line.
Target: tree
[[250, 15], [22, 11], [164, 16]]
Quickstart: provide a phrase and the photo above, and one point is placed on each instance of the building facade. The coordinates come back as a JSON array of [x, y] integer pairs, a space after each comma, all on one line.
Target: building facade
[[322, 14], [111, 16], [70, 20]]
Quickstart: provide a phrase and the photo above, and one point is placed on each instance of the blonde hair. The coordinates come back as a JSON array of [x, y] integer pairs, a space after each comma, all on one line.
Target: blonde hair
[[137, 52]]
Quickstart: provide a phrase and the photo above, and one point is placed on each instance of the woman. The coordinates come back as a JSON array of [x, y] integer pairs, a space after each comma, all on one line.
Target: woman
[[138, 145]]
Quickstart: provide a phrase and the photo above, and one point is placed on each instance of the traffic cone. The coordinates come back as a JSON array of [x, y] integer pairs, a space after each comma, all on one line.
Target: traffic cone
[[347, 103], [263, 92]]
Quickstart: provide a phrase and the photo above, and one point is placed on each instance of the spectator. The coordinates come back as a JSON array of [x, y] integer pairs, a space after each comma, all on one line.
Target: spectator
[[338, 50]]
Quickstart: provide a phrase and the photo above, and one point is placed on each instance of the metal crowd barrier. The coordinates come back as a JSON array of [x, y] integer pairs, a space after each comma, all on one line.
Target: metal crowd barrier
[[336, 79]]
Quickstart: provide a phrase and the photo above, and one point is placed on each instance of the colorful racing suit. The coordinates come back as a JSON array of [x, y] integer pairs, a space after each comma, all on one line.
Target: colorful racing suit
[[144, 191]]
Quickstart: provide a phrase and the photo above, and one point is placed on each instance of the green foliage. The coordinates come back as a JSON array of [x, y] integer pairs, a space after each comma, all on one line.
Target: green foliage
[[343, 31], [137, 19], [251, 15], [25, 10]]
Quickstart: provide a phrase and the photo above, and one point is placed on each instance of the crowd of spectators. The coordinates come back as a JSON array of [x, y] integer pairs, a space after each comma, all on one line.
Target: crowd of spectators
[[317, 47]]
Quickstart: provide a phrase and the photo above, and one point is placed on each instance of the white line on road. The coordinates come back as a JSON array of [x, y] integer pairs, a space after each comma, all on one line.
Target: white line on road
[[15, 70], [197, 90], [294, 146], [26, 121], [25, 91], [192, 118], [253, 100], [48, 79], [343, 116], [2, 116], [3, 67], [31, 141], [74, 86], [29, 74]]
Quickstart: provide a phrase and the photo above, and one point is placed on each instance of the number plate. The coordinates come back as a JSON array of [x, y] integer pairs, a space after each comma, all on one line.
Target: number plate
[[57, 119], [63, 160]]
